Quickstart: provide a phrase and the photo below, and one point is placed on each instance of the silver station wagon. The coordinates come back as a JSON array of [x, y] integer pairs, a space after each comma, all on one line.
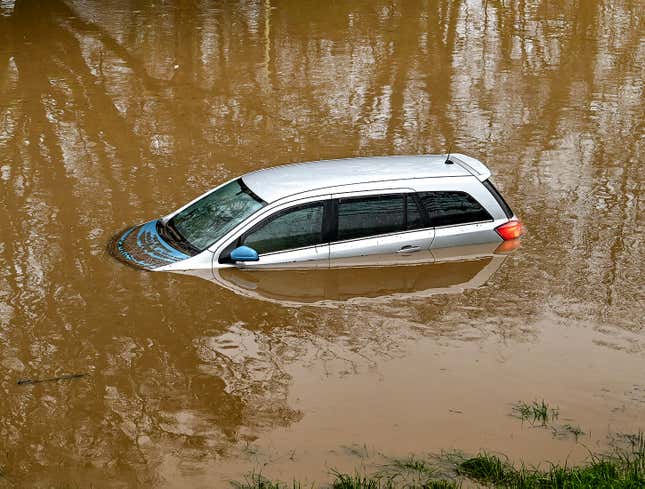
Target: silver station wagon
[[372, 211]]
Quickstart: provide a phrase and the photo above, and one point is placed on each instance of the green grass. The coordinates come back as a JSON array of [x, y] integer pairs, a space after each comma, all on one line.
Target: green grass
[[357, 481], [621, 470], [493, 472], [535, 412], [485, 468], [624, 468]]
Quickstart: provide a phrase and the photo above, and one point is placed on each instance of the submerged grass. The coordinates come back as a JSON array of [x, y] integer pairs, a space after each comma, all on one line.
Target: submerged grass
[[624, 468], [410, 466], [412, 472], [257, 481], [567, 429], [535, 412], [540, 413], [413, 464]]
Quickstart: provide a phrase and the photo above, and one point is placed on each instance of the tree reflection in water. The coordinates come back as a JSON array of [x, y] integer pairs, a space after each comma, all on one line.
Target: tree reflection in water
[[115, 113]]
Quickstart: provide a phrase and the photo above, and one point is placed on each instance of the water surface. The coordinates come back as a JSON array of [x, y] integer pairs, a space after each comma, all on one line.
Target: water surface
[[116, 112]]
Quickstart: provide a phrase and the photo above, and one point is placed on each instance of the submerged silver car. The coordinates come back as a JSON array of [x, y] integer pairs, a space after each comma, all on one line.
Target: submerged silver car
[[469, 267], [371, 211]]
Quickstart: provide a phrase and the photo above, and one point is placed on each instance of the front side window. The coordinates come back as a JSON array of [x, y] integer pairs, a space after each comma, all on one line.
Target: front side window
[[447, 208], [294, 228], [211, 217], [369, 216]]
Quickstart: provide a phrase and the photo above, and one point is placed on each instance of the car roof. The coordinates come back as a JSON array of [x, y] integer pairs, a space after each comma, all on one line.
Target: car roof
[[275, 183]]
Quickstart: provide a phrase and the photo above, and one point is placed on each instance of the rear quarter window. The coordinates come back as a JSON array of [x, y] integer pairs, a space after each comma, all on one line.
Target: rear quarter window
[[498, 197], [447, 208]]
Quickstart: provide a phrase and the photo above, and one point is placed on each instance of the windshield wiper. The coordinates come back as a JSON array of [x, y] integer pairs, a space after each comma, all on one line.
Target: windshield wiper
[[174, 238]]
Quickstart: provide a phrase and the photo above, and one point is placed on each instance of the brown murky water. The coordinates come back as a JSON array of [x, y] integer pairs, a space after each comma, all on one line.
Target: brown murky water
[[115, 112]]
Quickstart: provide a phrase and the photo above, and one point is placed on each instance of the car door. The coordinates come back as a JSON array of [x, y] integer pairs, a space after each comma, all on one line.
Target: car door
[[376, 229], [294, 237]]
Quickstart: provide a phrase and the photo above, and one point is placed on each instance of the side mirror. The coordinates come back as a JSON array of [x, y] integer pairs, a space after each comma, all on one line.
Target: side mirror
[[244, 253]]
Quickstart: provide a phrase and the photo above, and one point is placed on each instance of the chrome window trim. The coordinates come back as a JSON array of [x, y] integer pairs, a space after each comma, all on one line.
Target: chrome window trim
[[293, 249], [407, 231], [464, 224]]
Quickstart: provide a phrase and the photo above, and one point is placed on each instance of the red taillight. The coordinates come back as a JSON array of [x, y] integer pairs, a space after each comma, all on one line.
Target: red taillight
[[510, 230]]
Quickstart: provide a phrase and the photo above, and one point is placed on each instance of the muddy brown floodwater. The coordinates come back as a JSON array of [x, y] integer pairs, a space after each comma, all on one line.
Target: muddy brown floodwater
[[116, 112]]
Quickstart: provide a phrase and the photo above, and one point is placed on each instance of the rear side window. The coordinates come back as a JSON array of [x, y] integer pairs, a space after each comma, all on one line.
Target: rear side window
[[361, 217], [447, 208], [369, 216], [498, 197], [295, 228]]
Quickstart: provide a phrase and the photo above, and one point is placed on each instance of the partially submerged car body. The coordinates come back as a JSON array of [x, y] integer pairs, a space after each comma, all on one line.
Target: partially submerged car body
[[371, 211], [463, 268]]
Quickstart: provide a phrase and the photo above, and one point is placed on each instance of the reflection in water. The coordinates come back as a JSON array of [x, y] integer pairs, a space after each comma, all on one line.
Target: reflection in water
[[460, 268], [112, 113], [343, 284]]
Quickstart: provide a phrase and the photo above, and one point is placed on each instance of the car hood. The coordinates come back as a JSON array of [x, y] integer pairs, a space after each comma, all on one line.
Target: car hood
[[142, 247]]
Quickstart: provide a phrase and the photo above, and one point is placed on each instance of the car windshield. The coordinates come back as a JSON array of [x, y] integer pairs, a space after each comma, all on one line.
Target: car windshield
[[210, 218]]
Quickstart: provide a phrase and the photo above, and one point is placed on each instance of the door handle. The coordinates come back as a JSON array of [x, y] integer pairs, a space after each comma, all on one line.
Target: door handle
[[409, 249]]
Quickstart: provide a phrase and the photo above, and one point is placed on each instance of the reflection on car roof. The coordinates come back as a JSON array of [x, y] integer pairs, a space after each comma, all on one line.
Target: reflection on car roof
[[275, 183]]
